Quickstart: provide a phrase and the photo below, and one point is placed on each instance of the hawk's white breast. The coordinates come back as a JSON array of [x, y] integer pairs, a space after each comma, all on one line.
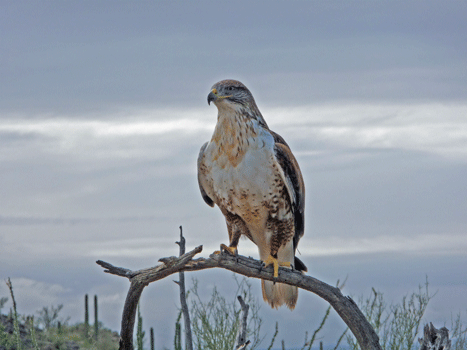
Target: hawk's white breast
[[242, 169]]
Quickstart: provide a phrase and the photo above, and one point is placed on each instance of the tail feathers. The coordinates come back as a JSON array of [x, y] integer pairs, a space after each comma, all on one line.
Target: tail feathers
[[299, 265], [277, 294]]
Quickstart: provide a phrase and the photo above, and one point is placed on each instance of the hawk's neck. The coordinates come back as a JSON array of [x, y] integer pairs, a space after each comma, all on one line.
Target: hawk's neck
[[235, 132]]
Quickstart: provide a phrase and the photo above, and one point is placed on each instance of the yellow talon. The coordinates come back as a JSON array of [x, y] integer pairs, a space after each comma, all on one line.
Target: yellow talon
[[271, 260], [229, 250]]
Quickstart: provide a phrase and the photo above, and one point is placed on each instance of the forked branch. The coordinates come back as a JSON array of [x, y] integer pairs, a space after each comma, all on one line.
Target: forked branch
[[344, 305]]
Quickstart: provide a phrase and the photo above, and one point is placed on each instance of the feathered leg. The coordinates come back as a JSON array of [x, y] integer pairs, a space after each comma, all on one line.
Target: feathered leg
[[236, 227], [281, 233], [281, 254]]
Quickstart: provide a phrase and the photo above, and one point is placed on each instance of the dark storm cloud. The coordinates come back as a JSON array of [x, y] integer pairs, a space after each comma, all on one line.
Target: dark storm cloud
[[90, 55]]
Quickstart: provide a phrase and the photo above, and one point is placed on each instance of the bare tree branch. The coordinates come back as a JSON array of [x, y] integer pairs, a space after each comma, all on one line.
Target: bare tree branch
[[119, 271], [344, 306], [435, 339], [241, 339], [183, 303]]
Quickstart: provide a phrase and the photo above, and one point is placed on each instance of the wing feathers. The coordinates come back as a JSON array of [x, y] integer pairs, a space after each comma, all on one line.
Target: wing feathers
[[278, 138], [294, 183], [201, 173]]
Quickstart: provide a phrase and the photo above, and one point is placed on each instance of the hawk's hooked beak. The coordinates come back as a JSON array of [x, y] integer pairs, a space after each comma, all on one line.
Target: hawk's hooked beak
[[213, 96]]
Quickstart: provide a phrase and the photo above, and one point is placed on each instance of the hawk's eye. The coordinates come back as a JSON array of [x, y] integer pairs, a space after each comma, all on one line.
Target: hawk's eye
[[230, 88]]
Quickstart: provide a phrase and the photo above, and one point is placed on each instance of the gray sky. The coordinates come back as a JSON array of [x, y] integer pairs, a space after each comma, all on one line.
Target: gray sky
[[103, 110]]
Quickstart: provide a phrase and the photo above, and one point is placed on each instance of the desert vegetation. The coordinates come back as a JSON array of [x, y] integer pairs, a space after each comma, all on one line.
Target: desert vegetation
[[216, 321]]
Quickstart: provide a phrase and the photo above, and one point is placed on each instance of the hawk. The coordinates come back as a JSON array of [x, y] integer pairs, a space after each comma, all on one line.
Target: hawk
[[249, 172]]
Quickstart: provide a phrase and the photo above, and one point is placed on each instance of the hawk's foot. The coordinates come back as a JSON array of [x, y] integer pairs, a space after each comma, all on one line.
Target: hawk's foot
[[230, 250], [276, 263]]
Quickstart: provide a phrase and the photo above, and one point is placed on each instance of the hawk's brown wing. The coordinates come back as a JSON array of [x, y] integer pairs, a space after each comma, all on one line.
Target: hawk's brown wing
[[202, 172], [295, 187]]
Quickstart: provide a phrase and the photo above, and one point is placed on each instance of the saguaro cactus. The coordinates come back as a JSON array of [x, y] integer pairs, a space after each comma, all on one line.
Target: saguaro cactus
[[96, 319], [152, 338], [178, 333], [139, 331], [86, 317]]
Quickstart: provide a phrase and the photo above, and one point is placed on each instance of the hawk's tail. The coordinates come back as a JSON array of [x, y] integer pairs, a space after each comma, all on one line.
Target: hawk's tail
[[277, 294]]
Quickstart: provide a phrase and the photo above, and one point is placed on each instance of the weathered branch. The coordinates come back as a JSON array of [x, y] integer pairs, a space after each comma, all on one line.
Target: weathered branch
[[344, 306], [241, 339], [435, 339], [183, 303]]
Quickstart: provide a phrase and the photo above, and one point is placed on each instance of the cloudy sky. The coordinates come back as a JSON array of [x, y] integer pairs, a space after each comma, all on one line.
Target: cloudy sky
[[103, 111]]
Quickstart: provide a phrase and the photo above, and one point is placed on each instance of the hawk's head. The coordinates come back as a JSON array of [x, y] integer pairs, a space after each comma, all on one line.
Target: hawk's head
[[233, 95], [230, 93]]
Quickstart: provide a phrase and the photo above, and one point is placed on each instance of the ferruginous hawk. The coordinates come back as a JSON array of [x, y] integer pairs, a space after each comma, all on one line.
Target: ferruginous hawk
[[249, 172]]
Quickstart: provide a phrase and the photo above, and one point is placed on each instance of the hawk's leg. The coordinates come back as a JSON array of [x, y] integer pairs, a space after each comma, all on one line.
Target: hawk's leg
[[282, 232], [236, 227], [271, 260], [231, 249]]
